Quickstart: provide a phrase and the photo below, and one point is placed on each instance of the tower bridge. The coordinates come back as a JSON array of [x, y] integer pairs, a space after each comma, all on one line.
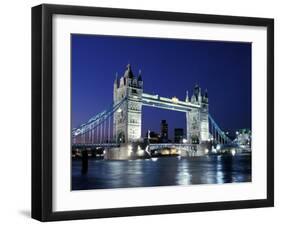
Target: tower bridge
[[121, 122]]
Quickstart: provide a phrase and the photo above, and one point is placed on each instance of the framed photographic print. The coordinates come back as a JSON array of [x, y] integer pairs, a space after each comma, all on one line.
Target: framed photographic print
[[146, 112]]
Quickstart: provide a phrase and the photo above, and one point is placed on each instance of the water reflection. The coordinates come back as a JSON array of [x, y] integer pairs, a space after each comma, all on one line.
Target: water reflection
[[161, 172]]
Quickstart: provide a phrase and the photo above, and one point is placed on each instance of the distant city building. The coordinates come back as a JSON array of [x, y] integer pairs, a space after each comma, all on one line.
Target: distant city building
[[164, 130], [178, 135], [153, 137], [243, 137]]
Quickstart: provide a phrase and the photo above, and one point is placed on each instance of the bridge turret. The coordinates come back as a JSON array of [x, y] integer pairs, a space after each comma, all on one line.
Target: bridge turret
[[200, 98], [116, 80], [186, 96], [127, 121], [205, 98], [197, 94], [139, 76], [115, 87], [193, 99], [128, 73], [140, 82], [196, 90], [122, 82]]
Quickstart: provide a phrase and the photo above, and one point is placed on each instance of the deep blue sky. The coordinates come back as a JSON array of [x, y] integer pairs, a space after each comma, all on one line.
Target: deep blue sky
[[169, 68]]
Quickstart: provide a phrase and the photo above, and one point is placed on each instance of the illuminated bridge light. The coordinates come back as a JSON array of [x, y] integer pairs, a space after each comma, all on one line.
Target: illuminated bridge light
[[175, 99]]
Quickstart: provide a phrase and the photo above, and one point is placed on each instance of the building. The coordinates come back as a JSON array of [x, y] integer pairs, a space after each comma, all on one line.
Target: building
[[153, 137], [164, 131], [244, 137], [197, 130], [178, 135], [127, 119]]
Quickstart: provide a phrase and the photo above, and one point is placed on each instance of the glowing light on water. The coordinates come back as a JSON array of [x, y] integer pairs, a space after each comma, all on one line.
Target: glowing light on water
[[154, 159], [233, 152]]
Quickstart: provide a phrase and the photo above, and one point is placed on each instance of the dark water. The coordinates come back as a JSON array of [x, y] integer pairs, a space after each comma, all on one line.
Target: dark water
[[161, 172]]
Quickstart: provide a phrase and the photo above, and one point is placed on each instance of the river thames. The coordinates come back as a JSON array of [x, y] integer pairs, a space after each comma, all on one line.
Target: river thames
[[162, 171]]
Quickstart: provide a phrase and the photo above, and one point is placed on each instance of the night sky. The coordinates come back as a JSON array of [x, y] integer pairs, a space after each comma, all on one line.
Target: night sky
[[169, 67]]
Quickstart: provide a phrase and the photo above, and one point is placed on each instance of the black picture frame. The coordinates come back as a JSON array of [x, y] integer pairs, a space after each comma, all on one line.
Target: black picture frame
[[42, 111]]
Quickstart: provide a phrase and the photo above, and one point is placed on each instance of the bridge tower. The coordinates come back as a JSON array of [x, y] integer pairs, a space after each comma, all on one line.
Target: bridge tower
[[127, 119], [197, 119]]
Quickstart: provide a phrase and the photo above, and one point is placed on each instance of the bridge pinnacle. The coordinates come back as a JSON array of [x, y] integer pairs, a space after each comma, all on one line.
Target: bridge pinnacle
[[139, 76], [128, 72], [186, 97]]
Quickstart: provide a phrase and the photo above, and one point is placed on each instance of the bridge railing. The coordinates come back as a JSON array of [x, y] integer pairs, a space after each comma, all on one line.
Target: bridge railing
[[218, 135], [98, 129]]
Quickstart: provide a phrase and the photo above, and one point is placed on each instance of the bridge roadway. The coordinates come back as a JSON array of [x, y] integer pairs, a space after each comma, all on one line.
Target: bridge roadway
[[152, 146], [167, 103], [113, 151], [170, 145], [102, 145]]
